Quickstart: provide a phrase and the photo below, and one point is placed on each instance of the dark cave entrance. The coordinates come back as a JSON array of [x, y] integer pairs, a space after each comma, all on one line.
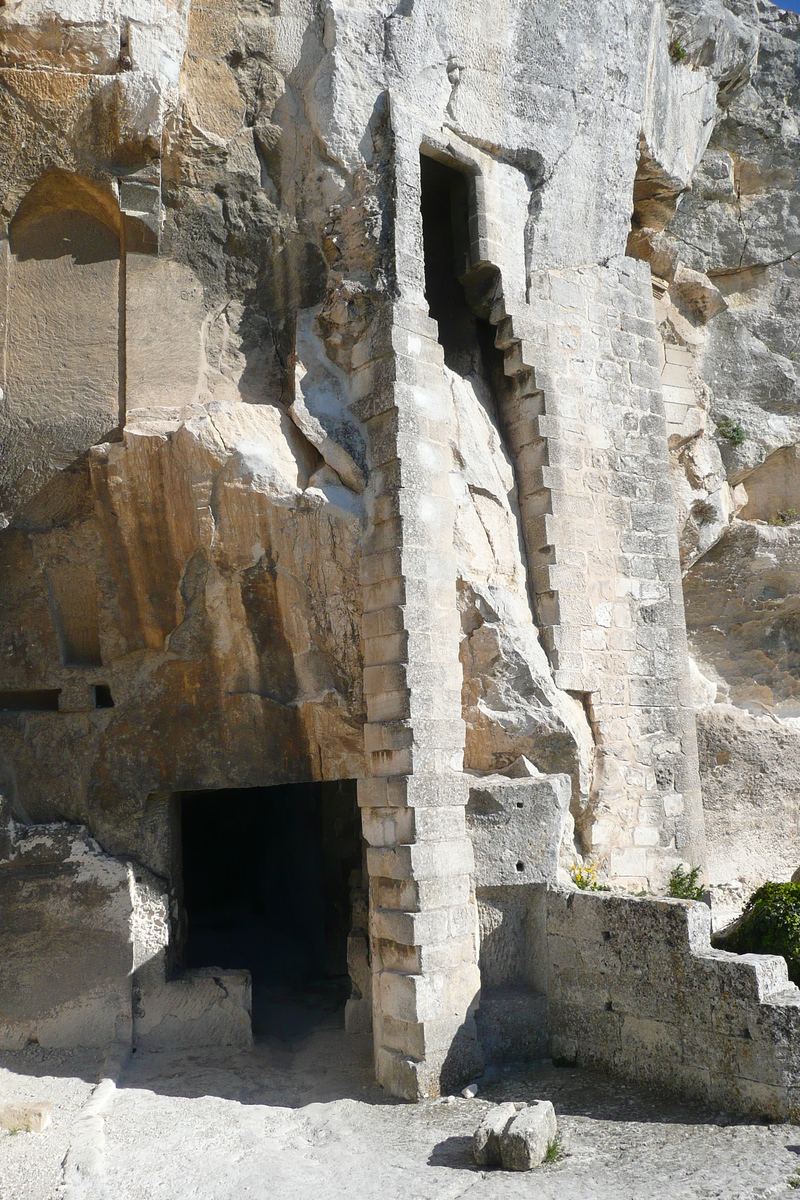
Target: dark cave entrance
[[459, 291], [267, 879]]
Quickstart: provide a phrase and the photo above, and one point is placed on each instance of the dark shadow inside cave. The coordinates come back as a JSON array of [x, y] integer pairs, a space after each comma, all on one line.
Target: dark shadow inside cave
[[267, 876]]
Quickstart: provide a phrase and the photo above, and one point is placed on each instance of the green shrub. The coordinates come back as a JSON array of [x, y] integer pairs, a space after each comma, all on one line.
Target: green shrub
[[677, 51], [683, 884], [786, 517], [731, 430], [770, 924]]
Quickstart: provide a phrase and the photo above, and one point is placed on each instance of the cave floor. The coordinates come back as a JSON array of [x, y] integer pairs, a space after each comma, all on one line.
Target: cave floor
[[306, 1121]]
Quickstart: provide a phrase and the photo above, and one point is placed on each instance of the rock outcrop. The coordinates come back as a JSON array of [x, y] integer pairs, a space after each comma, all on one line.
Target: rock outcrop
[[338, 424], [730, 323]]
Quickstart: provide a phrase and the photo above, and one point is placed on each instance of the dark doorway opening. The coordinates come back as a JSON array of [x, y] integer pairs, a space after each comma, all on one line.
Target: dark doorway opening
[[459, 291], [267, 881]]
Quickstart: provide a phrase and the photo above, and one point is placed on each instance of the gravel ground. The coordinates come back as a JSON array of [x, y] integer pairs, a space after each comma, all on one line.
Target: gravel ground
[[307, 1122], [30, 1163]]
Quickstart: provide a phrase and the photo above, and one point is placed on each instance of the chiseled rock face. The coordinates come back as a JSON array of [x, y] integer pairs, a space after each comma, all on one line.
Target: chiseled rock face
[[510, 702], [65, 940], [743, 609], [739, 226], [207, 569], [728, 303], [743, 613], [187, 492], [517, 826], [751, 794]]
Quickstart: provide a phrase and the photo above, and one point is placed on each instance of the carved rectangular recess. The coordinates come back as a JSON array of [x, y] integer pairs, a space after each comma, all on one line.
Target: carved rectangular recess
[[36, 700], [73, 597]]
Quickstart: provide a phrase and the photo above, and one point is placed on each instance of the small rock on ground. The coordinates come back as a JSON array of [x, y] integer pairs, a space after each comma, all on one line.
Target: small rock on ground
[[487, 1139], [525, 1141]]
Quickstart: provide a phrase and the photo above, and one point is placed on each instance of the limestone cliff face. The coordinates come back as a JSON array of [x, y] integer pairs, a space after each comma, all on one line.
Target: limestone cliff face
[[206, 204], [210, 220], [730, 321]]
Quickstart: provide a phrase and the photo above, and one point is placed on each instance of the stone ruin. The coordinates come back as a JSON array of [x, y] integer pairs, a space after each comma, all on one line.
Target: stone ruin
[[400, 420]]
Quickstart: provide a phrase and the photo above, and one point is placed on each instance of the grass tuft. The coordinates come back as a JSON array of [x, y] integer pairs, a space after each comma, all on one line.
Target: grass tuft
[[786, 517], [555, 1150]]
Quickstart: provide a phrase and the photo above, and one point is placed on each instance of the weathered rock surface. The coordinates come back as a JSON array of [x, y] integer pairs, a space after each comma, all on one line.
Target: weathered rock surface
[[750, 797], [488, 1137], [517, 827], [67, 951], [741, 602], [208, 597], [729, 311], [511, 704], [260, 527], [524, 1143]]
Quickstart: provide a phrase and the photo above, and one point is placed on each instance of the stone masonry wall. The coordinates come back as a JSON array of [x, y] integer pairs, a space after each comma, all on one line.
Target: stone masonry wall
[[635, 988], [599, 518], [422, 905]]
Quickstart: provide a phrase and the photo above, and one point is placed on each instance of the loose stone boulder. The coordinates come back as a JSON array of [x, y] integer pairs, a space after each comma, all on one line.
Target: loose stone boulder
[[525, 1141], [513, 1139], [486, 1140]]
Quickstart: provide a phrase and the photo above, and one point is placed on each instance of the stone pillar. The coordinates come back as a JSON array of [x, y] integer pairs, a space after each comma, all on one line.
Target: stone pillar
[[423, 916]]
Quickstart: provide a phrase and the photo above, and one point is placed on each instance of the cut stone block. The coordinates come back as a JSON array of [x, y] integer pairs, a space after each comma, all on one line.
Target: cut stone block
[[32, 1118], [486, 1138], [524, 1142], [516, 827]]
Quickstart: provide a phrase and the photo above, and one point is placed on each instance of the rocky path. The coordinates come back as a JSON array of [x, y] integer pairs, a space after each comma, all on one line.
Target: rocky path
[[307, 1122]]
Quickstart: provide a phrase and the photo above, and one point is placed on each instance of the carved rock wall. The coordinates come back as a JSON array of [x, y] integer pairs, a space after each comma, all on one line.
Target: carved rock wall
[[260, 527], [728, 308]]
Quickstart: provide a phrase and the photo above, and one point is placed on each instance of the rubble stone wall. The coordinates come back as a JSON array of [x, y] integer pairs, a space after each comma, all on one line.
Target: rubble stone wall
[[635, 988]]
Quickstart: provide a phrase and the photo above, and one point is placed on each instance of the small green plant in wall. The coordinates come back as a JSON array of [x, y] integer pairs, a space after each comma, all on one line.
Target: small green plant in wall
[[786, 517], [683, 884], [731, 431], [677, 50], [585, 878]]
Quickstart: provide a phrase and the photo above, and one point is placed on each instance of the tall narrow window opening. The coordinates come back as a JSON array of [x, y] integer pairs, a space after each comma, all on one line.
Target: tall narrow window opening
[[458, 291]]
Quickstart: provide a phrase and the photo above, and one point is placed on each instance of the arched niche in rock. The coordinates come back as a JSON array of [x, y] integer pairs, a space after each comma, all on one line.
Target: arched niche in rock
[[63, 345]]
